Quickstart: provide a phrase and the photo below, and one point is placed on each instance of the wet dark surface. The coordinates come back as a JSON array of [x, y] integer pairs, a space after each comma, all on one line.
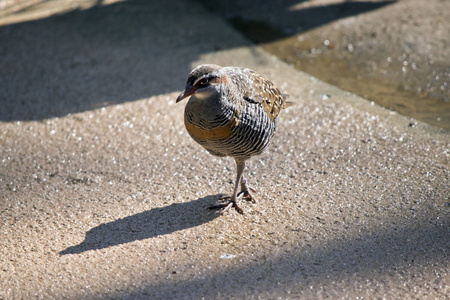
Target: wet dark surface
[[306, 38]]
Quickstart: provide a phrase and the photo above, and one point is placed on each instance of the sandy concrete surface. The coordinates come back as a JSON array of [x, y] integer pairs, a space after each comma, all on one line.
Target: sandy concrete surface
[[104, 194]]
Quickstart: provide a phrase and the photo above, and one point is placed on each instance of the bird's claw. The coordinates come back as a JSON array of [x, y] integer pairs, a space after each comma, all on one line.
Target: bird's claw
[[245, 191], [247, 196], [226, 206]]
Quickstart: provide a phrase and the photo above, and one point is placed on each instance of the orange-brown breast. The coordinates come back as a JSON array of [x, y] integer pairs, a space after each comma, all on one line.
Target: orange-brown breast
[[216, 133]]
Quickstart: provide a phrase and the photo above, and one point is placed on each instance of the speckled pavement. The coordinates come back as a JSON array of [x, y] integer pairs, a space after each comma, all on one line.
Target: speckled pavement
[[104, 194]]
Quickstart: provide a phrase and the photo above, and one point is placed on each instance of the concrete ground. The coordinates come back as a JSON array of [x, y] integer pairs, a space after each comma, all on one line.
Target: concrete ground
[[104, 194]]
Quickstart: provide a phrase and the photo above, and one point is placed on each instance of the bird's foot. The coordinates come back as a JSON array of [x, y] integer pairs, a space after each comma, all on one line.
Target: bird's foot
[[224, 207], [245, 191], [246, 195]]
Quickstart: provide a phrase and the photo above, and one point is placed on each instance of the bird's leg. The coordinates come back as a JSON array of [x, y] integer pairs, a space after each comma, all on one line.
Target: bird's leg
[[245, 191], [233, 199]]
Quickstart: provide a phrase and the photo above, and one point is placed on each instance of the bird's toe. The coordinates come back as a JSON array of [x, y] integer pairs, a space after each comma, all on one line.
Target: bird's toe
[[225, 207]]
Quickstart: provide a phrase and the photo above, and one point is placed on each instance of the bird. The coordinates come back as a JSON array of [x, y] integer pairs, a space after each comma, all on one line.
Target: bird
[[232, 112]]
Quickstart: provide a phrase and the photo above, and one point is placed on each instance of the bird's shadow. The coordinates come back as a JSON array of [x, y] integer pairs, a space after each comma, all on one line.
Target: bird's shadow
[[148, 224]]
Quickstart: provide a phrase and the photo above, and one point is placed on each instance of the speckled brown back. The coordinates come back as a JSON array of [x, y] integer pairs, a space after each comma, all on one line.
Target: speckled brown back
[[256, 88]]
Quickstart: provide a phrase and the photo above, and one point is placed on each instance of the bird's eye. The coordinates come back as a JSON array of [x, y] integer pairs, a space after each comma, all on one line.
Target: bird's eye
[[203, 82]]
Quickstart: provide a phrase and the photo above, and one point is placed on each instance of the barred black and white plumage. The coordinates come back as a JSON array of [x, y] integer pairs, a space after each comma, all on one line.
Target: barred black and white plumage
[[232, 112]]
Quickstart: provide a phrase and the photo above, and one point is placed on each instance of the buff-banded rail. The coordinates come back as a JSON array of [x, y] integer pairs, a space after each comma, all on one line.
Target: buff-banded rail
[[232, 112]]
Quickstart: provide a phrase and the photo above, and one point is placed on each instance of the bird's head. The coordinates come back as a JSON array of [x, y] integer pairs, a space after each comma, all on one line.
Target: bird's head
[[204, 81]]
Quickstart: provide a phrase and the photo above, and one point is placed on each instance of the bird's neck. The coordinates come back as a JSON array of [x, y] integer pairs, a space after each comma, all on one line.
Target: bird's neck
[[208, 113]]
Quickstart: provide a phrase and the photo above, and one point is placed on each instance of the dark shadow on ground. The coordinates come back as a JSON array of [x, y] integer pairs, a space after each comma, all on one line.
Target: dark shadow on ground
[[147, 224], [266, 21], [105, 55], [377, 254]]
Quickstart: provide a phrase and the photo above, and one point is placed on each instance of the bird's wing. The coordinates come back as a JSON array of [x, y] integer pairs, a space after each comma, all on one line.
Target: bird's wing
[[258, 89]]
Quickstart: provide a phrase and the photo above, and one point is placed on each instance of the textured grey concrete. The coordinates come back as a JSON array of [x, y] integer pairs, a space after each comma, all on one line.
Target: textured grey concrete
[[104, 194]]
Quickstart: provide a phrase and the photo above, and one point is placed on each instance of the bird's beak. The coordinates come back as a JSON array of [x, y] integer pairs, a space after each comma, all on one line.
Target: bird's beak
[[186, 93]]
